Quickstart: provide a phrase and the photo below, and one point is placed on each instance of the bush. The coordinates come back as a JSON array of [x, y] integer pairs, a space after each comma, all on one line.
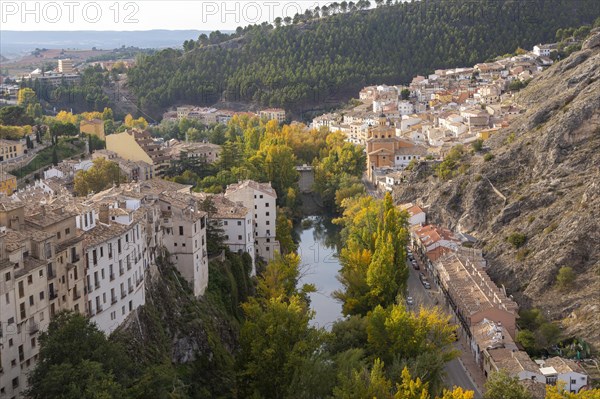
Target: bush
[[565, 277], [488, 157], [517, 239]]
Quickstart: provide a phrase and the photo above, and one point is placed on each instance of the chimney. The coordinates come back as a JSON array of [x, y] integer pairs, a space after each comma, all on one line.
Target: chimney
[[103, 215]]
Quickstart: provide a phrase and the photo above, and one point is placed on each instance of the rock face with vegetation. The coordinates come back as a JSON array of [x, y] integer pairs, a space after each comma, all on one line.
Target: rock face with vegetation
[[532, 195]]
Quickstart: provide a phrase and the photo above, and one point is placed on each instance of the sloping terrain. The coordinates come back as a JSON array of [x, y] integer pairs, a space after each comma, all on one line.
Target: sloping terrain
[[547, 166]]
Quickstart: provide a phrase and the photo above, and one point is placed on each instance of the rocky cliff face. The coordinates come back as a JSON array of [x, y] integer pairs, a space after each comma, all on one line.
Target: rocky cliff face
[[543, 182]]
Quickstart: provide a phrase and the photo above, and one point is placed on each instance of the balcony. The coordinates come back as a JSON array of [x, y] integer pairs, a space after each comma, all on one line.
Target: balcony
[[111, 276], [51, 274], [130, 289], [75, 258], [33, 328], [99, 309], [53, 295], [113, 300], [76, 295], [123, 294]]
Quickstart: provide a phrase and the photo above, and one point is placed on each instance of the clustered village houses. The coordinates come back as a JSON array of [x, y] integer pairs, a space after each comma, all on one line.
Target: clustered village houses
[[94, 254]]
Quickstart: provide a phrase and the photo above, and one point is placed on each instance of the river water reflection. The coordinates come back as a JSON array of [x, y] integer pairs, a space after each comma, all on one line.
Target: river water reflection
[[318, 250]]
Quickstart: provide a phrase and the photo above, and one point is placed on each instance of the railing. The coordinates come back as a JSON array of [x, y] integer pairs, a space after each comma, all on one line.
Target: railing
[[76, 295], [113, 300], [111, 276], [123, 294], [130, 289], [51, 275], [75, 258], [53, 295]]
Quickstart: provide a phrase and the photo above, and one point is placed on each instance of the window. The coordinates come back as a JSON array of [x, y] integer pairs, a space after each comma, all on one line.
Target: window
[[267, 204], [41, 273], [7, 298], [239, 223], [268, 222], [268, 214], [260, 196], [225, 223], [21, 290], [573, 381], [101, 252], [10, 343], [180, 230], [30, 279], [33, 342], [15, 382], [67, 231], [239, 237], [7, 276], [267, 248], [58, 235], [30, 300], [42, 295]]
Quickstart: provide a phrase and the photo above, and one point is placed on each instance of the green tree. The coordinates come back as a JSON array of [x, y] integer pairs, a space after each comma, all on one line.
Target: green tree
[[26, 97], [284, 234], [54, 157], [99, 177], [77, 361], [14, 116], [405, 94], [501, 386]]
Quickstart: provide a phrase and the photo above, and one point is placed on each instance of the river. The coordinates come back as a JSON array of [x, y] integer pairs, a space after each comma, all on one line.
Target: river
[[318, 250]]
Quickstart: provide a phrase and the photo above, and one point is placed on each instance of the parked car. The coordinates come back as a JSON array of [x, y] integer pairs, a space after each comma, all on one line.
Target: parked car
[[415, 265], [426, 285], [410, 300], [422, 277]]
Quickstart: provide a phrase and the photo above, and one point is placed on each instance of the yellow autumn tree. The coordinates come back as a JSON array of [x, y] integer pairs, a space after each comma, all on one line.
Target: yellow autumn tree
[[66, 117], [139, 123], [558, 392]]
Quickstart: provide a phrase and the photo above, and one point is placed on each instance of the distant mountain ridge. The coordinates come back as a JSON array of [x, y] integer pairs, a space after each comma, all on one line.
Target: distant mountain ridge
[[14, 42]]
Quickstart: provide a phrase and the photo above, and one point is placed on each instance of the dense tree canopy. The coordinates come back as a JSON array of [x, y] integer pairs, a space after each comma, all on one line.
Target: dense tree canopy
[[330, 57]]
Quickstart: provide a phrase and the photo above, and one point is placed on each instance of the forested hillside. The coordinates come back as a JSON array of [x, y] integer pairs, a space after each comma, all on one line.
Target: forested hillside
[[321, 58]]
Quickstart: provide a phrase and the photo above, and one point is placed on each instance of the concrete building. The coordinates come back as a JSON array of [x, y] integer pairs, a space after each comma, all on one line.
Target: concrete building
[[202, 152], [277, 114], [259, 198], [10, 149], [387, 151], [115, 261], [185, 237], [235, 221], [136, 145], [571, 374], [65, 66], [8, 183]]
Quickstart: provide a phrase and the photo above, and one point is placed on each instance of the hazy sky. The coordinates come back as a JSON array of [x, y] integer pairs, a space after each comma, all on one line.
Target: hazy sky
[[145, 14]]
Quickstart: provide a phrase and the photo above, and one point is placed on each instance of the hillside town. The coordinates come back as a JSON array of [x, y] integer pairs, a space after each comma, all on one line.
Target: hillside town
[[425, 119], [94, 254]]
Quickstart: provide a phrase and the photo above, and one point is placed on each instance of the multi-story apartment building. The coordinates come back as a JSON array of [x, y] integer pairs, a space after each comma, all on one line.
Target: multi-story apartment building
[[259, 198], [136, 145], [273, 113], [185, 237], [115, 262], [235, 220]]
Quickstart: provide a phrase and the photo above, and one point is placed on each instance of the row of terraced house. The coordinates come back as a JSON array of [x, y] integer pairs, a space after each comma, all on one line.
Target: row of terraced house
[[93, 254], [486, 314]]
